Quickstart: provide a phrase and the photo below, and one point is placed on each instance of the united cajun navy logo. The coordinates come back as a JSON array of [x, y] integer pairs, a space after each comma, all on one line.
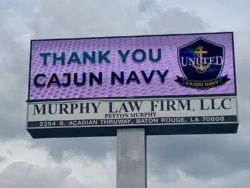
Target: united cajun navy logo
[[201, 63]]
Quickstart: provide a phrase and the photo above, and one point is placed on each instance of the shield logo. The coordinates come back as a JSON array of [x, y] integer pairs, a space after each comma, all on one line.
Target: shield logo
[[201, 63]]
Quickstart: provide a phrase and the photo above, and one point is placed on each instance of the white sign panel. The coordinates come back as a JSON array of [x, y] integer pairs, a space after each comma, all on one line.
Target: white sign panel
[[152, 113]]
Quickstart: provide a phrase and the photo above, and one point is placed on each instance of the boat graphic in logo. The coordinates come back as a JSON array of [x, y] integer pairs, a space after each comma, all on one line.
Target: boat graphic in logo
[[201, 63]]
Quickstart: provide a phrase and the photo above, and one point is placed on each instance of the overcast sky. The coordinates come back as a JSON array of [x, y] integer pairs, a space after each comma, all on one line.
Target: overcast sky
[[204, 161]]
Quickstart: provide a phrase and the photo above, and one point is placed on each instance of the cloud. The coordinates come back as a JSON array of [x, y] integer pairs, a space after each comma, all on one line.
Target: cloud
[[2, 159], [170, 21], [242, 38], [21, 174], [96, 147], [180, 180], [219, 15], [99, 18], [13, 80], [83, 19], [34, 166]]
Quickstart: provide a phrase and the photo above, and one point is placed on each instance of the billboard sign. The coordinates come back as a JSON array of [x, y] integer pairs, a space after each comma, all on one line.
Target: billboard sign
[[70, 76]]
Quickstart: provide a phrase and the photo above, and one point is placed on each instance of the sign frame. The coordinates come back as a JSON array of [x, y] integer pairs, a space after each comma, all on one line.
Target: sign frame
[[198, 127]]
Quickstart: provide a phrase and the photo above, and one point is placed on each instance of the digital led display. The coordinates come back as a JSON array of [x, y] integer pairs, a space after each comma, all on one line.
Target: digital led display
[[132, 67]]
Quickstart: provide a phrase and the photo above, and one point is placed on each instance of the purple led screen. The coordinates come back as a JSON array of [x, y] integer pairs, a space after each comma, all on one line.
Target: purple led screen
[[137, 66]]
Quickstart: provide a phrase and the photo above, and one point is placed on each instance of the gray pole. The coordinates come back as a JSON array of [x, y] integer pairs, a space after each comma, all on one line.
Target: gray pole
[[131, 158]]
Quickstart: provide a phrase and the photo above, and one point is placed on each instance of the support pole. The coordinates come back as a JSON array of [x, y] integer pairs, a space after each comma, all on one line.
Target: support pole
[[131, 158]]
